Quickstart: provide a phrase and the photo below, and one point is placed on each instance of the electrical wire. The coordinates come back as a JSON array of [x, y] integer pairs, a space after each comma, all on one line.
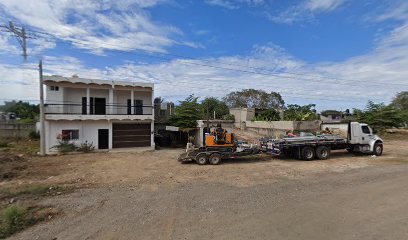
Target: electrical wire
[[260, 71]]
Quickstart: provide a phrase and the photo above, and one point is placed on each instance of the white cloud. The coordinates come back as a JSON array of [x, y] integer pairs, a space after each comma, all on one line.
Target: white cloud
[[377, 75], [234, 4], [305, 10], [97, 25], [323, 5]]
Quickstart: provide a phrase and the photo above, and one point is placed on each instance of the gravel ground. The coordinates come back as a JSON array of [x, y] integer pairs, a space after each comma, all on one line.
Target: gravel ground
[[152, 196]]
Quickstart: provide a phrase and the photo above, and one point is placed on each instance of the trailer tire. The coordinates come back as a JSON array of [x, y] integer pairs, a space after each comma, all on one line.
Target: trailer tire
[[215, 158], [308, 153], [201, 159], [378, 149], [322, 152]]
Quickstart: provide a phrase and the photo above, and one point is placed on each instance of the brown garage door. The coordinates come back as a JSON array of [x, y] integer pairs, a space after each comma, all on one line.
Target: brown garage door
[[131, 135]]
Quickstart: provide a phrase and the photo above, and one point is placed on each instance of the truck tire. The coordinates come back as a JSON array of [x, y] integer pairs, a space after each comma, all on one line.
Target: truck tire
[[322, 152], [378, 149], [215, 158], [201, 159], [308, 153]]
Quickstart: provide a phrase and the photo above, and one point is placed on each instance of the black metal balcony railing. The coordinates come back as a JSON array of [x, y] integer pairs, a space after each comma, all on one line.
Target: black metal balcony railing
[[97, 109]]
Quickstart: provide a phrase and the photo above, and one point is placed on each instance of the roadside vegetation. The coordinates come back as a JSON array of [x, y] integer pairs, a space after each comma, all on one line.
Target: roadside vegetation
[[382, 116], [26, 112], [18, 202], [18, 209]]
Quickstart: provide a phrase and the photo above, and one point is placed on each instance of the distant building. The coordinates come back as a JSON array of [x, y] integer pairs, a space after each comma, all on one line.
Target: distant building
[[243, 115], [162, 111], [334, 116], [7, 116]]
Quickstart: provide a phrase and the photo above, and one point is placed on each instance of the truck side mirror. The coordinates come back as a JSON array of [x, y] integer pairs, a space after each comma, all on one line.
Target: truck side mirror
[[375, 131]]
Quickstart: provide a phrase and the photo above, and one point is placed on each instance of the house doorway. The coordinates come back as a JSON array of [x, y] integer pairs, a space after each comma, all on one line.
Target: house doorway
[[103, 138], [100, 106]]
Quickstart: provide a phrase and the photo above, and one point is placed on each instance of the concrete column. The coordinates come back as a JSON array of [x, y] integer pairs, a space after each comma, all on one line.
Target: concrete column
[[110, 102], [110, 135], [132, 101], [88, 100], [152, 104], [47, 136], [152, 135]]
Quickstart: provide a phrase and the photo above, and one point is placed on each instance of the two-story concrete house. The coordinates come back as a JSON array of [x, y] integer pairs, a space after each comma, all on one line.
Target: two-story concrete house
[[108, 114]]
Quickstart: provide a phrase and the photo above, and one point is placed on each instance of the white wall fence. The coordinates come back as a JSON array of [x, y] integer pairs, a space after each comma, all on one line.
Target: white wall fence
[[275, 128]]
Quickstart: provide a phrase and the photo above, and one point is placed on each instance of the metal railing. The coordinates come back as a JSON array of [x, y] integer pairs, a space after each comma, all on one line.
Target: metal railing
[[97, 109]]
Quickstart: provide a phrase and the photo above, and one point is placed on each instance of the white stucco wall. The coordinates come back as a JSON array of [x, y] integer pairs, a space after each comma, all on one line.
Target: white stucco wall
[[88, 131], [242, 115]]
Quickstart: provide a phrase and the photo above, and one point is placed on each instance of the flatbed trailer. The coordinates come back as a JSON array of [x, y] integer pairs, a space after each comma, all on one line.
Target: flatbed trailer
[[357, 137], [305, 147], [214, 156]]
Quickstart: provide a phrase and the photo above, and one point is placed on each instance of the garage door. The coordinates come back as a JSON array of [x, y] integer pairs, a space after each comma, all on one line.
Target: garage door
[[131, 135]]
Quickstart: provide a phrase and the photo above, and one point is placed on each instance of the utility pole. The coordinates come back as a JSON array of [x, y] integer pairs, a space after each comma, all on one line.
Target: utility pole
[[208, 116], [42, 114], [20, 35]]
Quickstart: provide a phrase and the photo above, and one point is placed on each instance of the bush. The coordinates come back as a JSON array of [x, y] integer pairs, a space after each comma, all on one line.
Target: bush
[[34, 134], [14, 219], [229, 117], [86, 147], [65, 146], [4, 143]]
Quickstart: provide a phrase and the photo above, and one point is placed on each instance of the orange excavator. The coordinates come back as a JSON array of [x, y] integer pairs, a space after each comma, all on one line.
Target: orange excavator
[[219, 139], [219, 144]]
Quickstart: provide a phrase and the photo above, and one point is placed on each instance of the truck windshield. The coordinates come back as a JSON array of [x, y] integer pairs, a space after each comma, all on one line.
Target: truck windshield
[[365, 129]]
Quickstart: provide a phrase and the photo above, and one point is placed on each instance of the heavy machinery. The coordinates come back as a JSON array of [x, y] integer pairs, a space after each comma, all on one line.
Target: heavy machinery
[[219, 144], [352, 136]]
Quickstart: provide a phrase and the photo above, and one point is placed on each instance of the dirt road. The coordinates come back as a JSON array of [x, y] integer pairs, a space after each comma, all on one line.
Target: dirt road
[[151, 196], [368, 203]]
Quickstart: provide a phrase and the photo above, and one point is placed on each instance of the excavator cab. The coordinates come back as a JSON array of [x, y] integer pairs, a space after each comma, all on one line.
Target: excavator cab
[[219, 138]]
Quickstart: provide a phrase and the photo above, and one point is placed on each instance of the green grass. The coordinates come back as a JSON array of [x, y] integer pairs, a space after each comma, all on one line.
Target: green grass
[[23, 146], [3, 143], [27, 190], [14, 219]]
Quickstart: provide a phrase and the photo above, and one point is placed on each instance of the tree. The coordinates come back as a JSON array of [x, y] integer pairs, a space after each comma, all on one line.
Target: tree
[[213, 105], [295, 112], [187, 113], [400, 101], [252, 98], [268, 115], [379, 115], [23, 110]]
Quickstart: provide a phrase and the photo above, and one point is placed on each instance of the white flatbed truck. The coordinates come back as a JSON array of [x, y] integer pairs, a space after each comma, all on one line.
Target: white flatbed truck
[[352, 136]]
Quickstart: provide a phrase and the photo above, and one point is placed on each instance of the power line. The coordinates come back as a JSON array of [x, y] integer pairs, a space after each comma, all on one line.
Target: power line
[[20, 35], [256, 70]]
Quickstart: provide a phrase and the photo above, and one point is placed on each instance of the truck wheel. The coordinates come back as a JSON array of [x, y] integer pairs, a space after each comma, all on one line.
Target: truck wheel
[[322, 152], [201, 159], [350, 150], [308, 153], [215, 159], [378, 149]]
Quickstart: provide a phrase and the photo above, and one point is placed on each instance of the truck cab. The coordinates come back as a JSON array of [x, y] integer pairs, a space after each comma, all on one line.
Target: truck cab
[[362, 138]]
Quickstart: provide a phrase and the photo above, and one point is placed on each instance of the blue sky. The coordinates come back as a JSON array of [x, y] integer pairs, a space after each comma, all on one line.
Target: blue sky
[[336, 53]]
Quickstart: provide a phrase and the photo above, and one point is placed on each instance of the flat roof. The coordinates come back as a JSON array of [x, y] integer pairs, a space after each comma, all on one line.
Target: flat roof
[[55, 78]]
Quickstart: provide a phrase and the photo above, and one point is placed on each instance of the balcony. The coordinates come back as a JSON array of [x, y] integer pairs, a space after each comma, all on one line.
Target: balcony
[[97, 111]]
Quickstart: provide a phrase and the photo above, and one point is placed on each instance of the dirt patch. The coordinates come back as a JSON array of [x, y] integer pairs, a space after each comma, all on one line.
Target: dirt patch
[[116, 181]]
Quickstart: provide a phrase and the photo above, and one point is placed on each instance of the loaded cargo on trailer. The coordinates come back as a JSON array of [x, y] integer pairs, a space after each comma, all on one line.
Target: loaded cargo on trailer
[[351, 136]]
